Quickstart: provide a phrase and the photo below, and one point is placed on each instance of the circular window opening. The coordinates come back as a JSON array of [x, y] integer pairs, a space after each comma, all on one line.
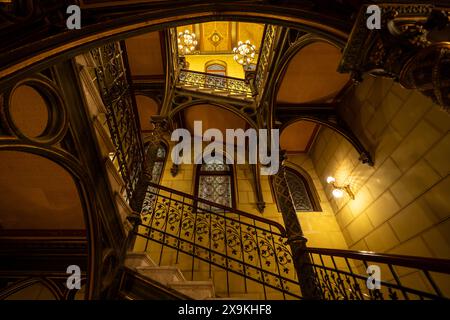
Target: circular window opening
[[29, 111]]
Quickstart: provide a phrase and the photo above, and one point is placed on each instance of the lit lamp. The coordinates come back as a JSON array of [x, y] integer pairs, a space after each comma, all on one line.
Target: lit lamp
[[244, 53], [338, 191], [187, 42]]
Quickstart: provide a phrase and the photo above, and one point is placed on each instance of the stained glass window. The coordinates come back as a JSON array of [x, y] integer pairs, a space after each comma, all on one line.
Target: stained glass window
[[302, 195], [157, 171], [215, 183], [216, 69]]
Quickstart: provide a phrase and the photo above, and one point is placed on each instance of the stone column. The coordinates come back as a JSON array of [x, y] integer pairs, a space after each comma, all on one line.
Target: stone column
[[294, 234]]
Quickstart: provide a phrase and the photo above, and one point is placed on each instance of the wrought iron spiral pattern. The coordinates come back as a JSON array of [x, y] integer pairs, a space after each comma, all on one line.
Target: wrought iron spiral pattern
[[238, 244], [265, 57], [349, 281], [232, 86], [114, 90]]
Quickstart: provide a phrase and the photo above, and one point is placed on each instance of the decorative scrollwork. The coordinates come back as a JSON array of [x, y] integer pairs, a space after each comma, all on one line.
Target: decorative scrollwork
[[114, 89], [224, 239], [237, 88]]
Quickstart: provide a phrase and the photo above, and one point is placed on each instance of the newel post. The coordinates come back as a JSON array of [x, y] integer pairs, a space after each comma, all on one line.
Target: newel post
[[295, 236], [135, 220]]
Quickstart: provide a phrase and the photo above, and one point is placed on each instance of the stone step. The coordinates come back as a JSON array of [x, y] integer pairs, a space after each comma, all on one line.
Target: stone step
[[139, 259], [198, 290], [164, 275]]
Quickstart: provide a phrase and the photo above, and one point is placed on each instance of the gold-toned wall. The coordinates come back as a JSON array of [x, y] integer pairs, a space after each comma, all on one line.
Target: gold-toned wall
[[321, 228], [401, 203], [198, 62]]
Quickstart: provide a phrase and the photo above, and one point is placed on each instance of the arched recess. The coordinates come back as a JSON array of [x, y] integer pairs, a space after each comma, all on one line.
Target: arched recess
[[302, 189], [340, 129], [308, 72], [32, 289], [229, 109], [146, 107], [75, 179], [306, 19], [294, 55]]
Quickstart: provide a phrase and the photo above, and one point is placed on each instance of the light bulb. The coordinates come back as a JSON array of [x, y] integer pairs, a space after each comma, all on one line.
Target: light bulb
[[338, 193], [331, 179]]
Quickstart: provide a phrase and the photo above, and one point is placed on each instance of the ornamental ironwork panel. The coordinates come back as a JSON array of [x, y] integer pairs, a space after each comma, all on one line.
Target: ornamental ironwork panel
[[265, 57], [234, 242], [342, 275], [216, 83], [299, 192], [121, 118], [157, 170]]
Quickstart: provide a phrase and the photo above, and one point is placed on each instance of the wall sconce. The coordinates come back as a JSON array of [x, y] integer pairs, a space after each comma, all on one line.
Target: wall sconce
[[338, 191]]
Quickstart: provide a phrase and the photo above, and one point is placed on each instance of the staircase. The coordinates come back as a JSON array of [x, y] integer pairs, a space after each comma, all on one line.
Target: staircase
[[169, 276], [190, 248]]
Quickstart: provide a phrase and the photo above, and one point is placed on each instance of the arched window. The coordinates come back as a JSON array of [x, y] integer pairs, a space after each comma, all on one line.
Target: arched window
[[158, 164], [214, 182], [303, 196], [219, 68], [159, 157]]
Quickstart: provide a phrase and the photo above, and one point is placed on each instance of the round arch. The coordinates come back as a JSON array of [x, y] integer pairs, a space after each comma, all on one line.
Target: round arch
[[149, 20], [85, 192], [225, 106]]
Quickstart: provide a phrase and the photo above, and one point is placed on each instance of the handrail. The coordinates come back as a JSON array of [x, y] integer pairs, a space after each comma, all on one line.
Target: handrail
[[432, 264], [214, 75], [251, 247], [193, 231], [234, 87], [349, 278], [225, 208]]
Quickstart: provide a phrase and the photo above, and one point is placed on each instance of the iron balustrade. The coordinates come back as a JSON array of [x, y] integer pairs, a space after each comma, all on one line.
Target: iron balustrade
[[203, 238], [200, 80], [121, 116], [243, 248], [341, 275]]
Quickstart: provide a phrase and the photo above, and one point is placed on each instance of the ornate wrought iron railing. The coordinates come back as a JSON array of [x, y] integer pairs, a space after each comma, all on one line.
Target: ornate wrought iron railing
[[265, 58], [121, 115], [245, 253], [342, 275], [218, 84], [219, 242]]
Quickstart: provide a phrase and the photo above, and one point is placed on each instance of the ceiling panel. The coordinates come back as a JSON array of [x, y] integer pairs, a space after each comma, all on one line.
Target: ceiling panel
[[298, 136], [212, 117], [311, 75], [145, 55], [37, 194]]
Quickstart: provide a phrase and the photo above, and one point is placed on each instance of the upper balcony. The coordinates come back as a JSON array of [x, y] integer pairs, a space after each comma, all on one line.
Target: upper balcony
[[224, 59]]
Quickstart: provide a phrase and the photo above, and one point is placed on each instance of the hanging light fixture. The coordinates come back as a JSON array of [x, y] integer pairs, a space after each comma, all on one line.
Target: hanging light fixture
[[244, 53], [187, 42]]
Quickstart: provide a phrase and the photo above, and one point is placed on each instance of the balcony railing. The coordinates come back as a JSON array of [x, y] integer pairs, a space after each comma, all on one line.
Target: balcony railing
[[341, 275], [251, 253], [215, 84]]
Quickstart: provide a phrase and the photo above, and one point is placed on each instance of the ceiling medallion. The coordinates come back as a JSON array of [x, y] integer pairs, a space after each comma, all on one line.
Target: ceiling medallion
[[215, 38]]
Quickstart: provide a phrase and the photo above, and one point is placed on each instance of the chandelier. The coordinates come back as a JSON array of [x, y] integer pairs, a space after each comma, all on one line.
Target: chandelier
[[244, 53], [187, 42]]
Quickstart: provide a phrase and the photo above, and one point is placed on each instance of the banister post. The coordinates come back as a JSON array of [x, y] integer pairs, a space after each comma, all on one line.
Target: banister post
[[135, 221], [294, 233]]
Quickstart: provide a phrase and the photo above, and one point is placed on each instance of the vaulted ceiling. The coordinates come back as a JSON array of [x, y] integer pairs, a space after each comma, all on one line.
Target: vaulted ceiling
[[309, 77]]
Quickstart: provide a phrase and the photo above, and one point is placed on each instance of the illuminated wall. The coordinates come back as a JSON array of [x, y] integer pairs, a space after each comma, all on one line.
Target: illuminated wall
[[401, 203]]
